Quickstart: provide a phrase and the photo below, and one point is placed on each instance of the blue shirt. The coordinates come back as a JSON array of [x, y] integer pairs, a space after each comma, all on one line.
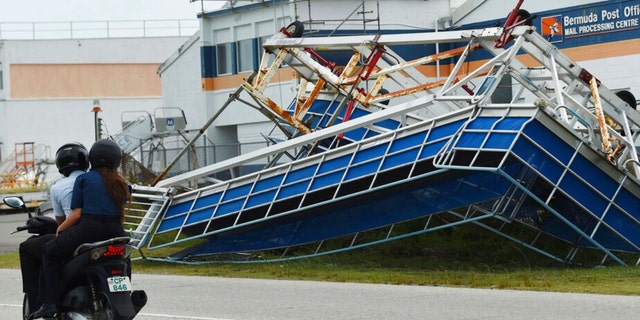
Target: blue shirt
[[90, 194], [61, 192]]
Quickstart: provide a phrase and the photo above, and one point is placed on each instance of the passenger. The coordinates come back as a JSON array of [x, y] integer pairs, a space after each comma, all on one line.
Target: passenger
[[97, 204], [72, 159]]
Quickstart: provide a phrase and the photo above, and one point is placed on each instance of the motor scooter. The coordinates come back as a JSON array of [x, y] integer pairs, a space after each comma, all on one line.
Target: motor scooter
[[96, 280]]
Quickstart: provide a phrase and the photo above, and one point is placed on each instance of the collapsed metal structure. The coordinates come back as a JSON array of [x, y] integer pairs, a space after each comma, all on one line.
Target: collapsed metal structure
[[375, 145]]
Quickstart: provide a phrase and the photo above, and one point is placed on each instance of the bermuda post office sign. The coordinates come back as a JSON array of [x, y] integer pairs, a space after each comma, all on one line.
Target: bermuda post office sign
[[622, 16]]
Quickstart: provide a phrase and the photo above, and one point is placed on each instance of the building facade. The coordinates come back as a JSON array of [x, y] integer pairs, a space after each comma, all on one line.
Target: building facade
[[49, 87]]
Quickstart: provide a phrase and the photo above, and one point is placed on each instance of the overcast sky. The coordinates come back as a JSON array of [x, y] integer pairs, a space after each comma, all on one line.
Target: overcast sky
[[100, 10]]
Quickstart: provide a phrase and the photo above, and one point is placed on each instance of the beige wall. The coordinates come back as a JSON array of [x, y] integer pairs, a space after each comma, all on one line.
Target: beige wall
[[30, 81]]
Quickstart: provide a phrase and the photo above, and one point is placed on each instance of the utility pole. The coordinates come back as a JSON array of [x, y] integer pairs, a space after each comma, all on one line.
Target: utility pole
[[96, 109]]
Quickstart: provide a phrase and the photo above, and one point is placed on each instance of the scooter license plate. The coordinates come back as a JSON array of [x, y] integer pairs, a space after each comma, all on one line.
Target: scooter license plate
[[119, 284]]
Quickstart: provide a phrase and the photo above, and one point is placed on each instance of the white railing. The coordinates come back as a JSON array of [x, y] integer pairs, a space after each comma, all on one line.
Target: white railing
[[97, 29]]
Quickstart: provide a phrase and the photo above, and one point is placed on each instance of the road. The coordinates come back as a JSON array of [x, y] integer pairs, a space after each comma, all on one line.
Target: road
[[216, 298], [8, 223]]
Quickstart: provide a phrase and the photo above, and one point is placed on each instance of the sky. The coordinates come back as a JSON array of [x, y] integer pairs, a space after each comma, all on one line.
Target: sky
[[101, 10]]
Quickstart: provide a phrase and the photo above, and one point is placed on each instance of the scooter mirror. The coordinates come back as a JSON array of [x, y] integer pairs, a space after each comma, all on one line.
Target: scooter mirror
[[13, 202]]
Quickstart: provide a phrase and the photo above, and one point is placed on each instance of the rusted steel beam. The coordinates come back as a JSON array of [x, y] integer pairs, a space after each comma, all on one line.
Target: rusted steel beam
[[275, 108], [425, 60], [310, 99], [266, 73], [374, 90], [607, 148]]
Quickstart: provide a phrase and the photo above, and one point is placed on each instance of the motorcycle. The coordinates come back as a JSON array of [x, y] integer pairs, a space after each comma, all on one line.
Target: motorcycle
[[96, 280]]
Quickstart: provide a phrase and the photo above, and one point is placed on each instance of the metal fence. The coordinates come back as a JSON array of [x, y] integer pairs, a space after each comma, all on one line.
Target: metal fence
[[142, 166], [97, 29]]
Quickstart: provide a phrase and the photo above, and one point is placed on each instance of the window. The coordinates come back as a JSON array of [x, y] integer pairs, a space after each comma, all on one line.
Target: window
[[245, 55], [223, 59]]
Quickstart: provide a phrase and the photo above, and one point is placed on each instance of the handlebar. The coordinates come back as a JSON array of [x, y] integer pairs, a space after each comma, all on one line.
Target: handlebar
[[39, 225], [20, 228]]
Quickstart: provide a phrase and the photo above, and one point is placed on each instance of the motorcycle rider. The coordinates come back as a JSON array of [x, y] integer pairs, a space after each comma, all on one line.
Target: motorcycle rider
[[97, 203], [72, 159]]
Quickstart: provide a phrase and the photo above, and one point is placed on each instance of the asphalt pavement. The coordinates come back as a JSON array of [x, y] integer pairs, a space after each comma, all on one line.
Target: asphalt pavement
[[8, 223], [218, 298]]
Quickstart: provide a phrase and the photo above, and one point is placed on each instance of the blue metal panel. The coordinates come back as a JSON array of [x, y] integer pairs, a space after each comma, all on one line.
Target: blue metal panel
[[482, 123], [325, 180], [623, 224], [236, 192], [545, 164], [177, 209], [399, 159], [208, 200], [303, 173], [432, 149], [370, 153], [363, 169], [512, 123], [594, 176], [333, 164], [171, 223], [629, 203], [582, 182], [320, 106], [583, 194], [200, 215], [358, 134], [229, 207], [549, 141], [261, 198], [387, 206], [269, 182], [472, 140], [412, 141], [499, 140], [293, 189], [370, 134], [388, 124], [445, 130]]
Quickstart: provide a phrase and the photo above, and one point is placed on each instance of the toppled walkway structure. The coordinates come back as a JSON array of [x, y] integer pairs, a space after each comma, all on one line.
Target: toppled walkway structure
[[376, 144]]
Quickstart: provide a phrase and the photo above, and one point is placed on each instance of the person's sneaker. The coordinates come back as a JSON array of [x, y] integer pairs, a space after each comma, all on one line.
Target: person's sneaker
[[45, 311]]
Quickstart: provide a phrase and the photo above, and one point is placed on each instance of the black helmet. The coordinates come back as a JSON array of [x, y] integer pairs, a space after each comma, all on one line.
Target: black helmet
[[105, 153], [70, 157]]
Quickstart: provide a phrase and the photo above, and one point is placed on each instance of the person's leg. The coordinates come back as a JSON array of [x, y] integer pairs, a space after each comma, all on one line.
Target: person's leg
[[30, 262], [54, 253], [30, 268], [61, 248]]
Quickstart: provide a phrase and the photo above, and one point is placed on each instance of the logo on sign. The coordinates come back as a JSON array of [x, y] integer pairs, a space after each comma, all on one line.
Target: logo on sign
[[552, 28], [170, 122]]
